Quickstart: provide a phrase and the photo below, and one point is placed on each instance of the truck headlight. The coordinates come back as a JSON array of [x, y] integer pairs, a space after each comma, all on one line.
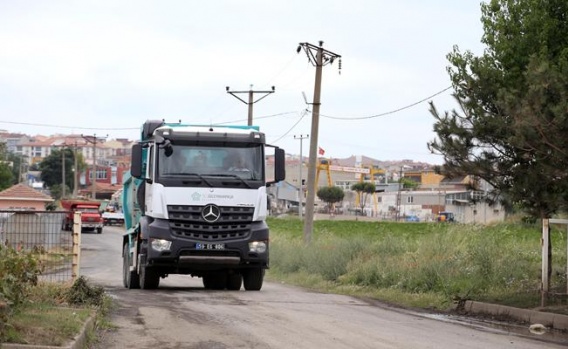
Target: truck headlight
[[161, 245], [257, 246]]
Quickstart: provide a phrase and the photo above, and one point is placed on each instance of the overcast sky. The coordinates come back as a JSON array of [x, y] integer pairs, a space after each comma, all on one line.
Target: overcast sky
[[104, 67]]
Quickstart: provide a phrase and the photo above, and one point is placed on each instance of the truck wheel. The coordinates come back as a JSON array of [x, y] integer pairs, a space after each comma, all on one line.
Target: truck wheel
[[99, 230], [215, 281], [129, 278], [253, 278], [149, 278], [234, 281]]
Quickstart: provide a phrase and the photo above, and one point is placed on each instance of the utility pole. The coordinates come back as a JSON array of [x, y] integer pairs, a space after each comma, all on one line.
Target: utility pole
[[251, 100], [318, 57], [93, 141], [398, 198], [75, 170], [301, 138], [20, 170], [63, 172]]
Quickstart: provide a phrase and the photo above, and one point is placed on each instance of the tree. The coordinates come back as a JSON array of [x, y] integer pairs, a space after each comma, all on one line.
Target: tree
[[408, 183], [6, 174], [51, 169], [330, 195], [513, 119], [57, 192], [363, 190], [16, 161], [511, 130]]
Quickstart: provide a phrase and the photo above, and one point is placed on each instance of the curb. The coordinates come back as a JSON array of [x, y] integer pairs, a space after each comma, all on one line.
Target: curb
[[79, 342], [552, 320]]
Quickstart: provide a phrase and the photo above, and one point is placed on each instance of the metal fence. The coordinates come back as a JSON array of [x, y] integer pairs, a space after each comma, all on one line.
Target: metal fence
[[42, 232]]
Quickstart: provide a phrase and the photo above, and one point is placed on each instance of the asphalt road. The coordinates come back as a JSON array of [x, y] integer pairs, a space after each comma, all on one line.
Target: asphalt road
[[181, 314]]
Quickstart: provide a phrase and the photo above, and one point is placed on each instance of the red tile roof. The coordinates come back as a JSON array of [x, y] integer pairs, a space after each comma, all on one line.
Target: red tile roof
[[23, 192]]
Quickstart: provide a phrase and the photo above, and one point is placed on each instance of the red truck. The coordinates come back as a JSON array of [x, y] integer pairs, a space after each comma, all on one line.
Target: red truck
[[91, 218]]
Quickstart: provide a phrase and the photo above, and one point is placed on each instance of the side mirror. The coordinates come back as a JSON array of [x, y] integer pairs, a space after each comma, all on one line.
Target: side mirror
[[279, 164], [168, 149], [136, 161]]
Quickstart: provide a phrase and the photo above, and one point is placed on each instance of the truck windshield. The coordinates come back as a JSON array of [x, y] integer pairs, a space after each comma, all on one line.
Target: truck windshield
[[242, 162]]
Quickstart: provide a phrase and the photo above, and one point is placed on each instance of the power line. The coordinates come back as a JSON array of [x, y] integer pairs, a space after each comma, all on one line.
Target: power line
[[70, 127], [126, 128], [388, 112], [260, 117], [293, 126], [294, 56], [228, 122]]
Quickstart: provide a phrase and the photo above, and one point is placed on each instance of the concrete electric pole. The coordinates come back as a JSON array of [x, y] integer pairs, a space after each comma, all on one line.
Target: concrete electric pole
[[251, 100], [75, 170], [318, 57], [301, 192], [63, 185], [93, 141], [398, 195]]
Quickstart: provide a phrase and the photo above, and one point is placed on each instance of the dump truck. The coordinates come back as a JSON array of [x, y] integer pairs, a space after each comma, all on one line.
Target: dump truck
[[195, 203], [91, 218]]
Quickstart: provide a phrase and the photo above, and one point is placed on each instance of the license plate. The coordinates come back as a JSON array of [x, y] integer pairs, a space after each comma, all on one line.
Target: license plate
[[204, 246]]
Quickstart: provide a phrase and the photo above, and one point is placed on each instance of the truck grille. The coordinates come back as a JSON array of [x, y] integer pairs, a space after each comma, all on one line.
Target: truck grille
[[233, 223]]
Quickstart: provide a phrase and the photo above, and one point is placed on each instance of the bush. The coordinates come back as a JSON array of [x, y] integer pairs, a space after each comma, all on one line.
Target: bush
[[81, 293], [19, 272]]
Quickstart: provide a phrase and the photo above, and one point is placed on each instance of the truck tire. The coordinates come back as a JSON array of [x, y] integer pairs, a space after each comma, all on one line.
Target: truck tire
[[99, 230], [253, 278], [216, 281], [234, 281], [149, 278], [130, 278]]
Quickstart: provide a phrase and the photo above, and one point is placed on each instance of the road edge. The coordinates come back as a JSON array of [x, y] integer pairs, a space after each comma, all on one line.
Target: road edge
[[78, 342], [547, 319]]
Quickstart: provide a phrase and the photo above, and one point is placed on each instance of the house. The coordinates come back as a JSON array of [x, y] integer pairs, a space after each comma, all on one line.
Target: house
[[23, 198]]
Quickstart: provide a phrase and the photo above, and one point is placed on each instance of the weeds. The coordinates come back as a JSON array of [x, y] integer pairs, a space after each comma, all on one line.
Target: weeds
[[56, 312], [430, 261], [81, 293], [19, 272]]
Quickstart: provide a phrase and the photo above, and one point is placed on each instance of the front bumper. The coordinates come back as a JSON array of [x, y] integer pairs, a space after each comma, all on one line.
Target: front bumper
[[185, 253], [91, 225]]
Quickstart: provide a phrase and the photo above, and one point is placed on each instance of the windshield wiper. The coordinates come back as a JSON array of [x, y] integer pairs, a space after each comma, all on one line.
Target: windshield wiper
[[233, 176], [198, 176]]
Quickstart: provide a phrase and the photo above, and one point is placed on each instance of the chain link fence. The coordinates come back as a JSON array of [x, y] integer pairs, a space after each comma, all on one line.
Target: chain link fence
[[42, 232]]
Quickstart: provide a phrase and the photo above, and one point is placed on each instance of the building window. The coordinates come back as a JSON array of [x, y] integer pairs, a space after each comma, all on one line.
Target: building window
[[36, 151], [101, 174], [409, 199]]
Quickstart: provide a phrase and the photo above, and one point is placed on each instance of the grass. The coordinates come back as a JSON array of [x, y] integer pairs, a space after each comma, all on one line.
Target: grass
[[424, 265], [42, 324], [55, 313]]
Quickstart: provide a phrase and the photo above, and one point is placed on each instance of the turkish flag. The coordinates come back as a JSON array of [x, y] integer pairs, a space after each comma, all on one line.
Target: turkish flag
[[321, 151]]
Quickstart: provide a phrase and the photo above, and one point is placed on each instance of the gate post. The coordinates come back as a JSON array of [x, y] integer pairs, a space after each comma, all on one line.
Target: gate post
[[545, 283], [76, 246]]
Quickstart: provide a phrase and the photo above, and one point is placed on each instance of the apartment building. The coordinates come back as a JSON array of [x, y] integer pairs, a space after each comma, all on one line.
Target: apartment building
[[106, 160]]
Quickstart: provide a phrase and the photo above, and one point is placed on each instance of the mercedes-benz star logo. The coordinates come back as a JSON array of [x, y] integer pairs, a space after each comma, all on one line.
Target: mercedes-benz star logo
[[211, 213]]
